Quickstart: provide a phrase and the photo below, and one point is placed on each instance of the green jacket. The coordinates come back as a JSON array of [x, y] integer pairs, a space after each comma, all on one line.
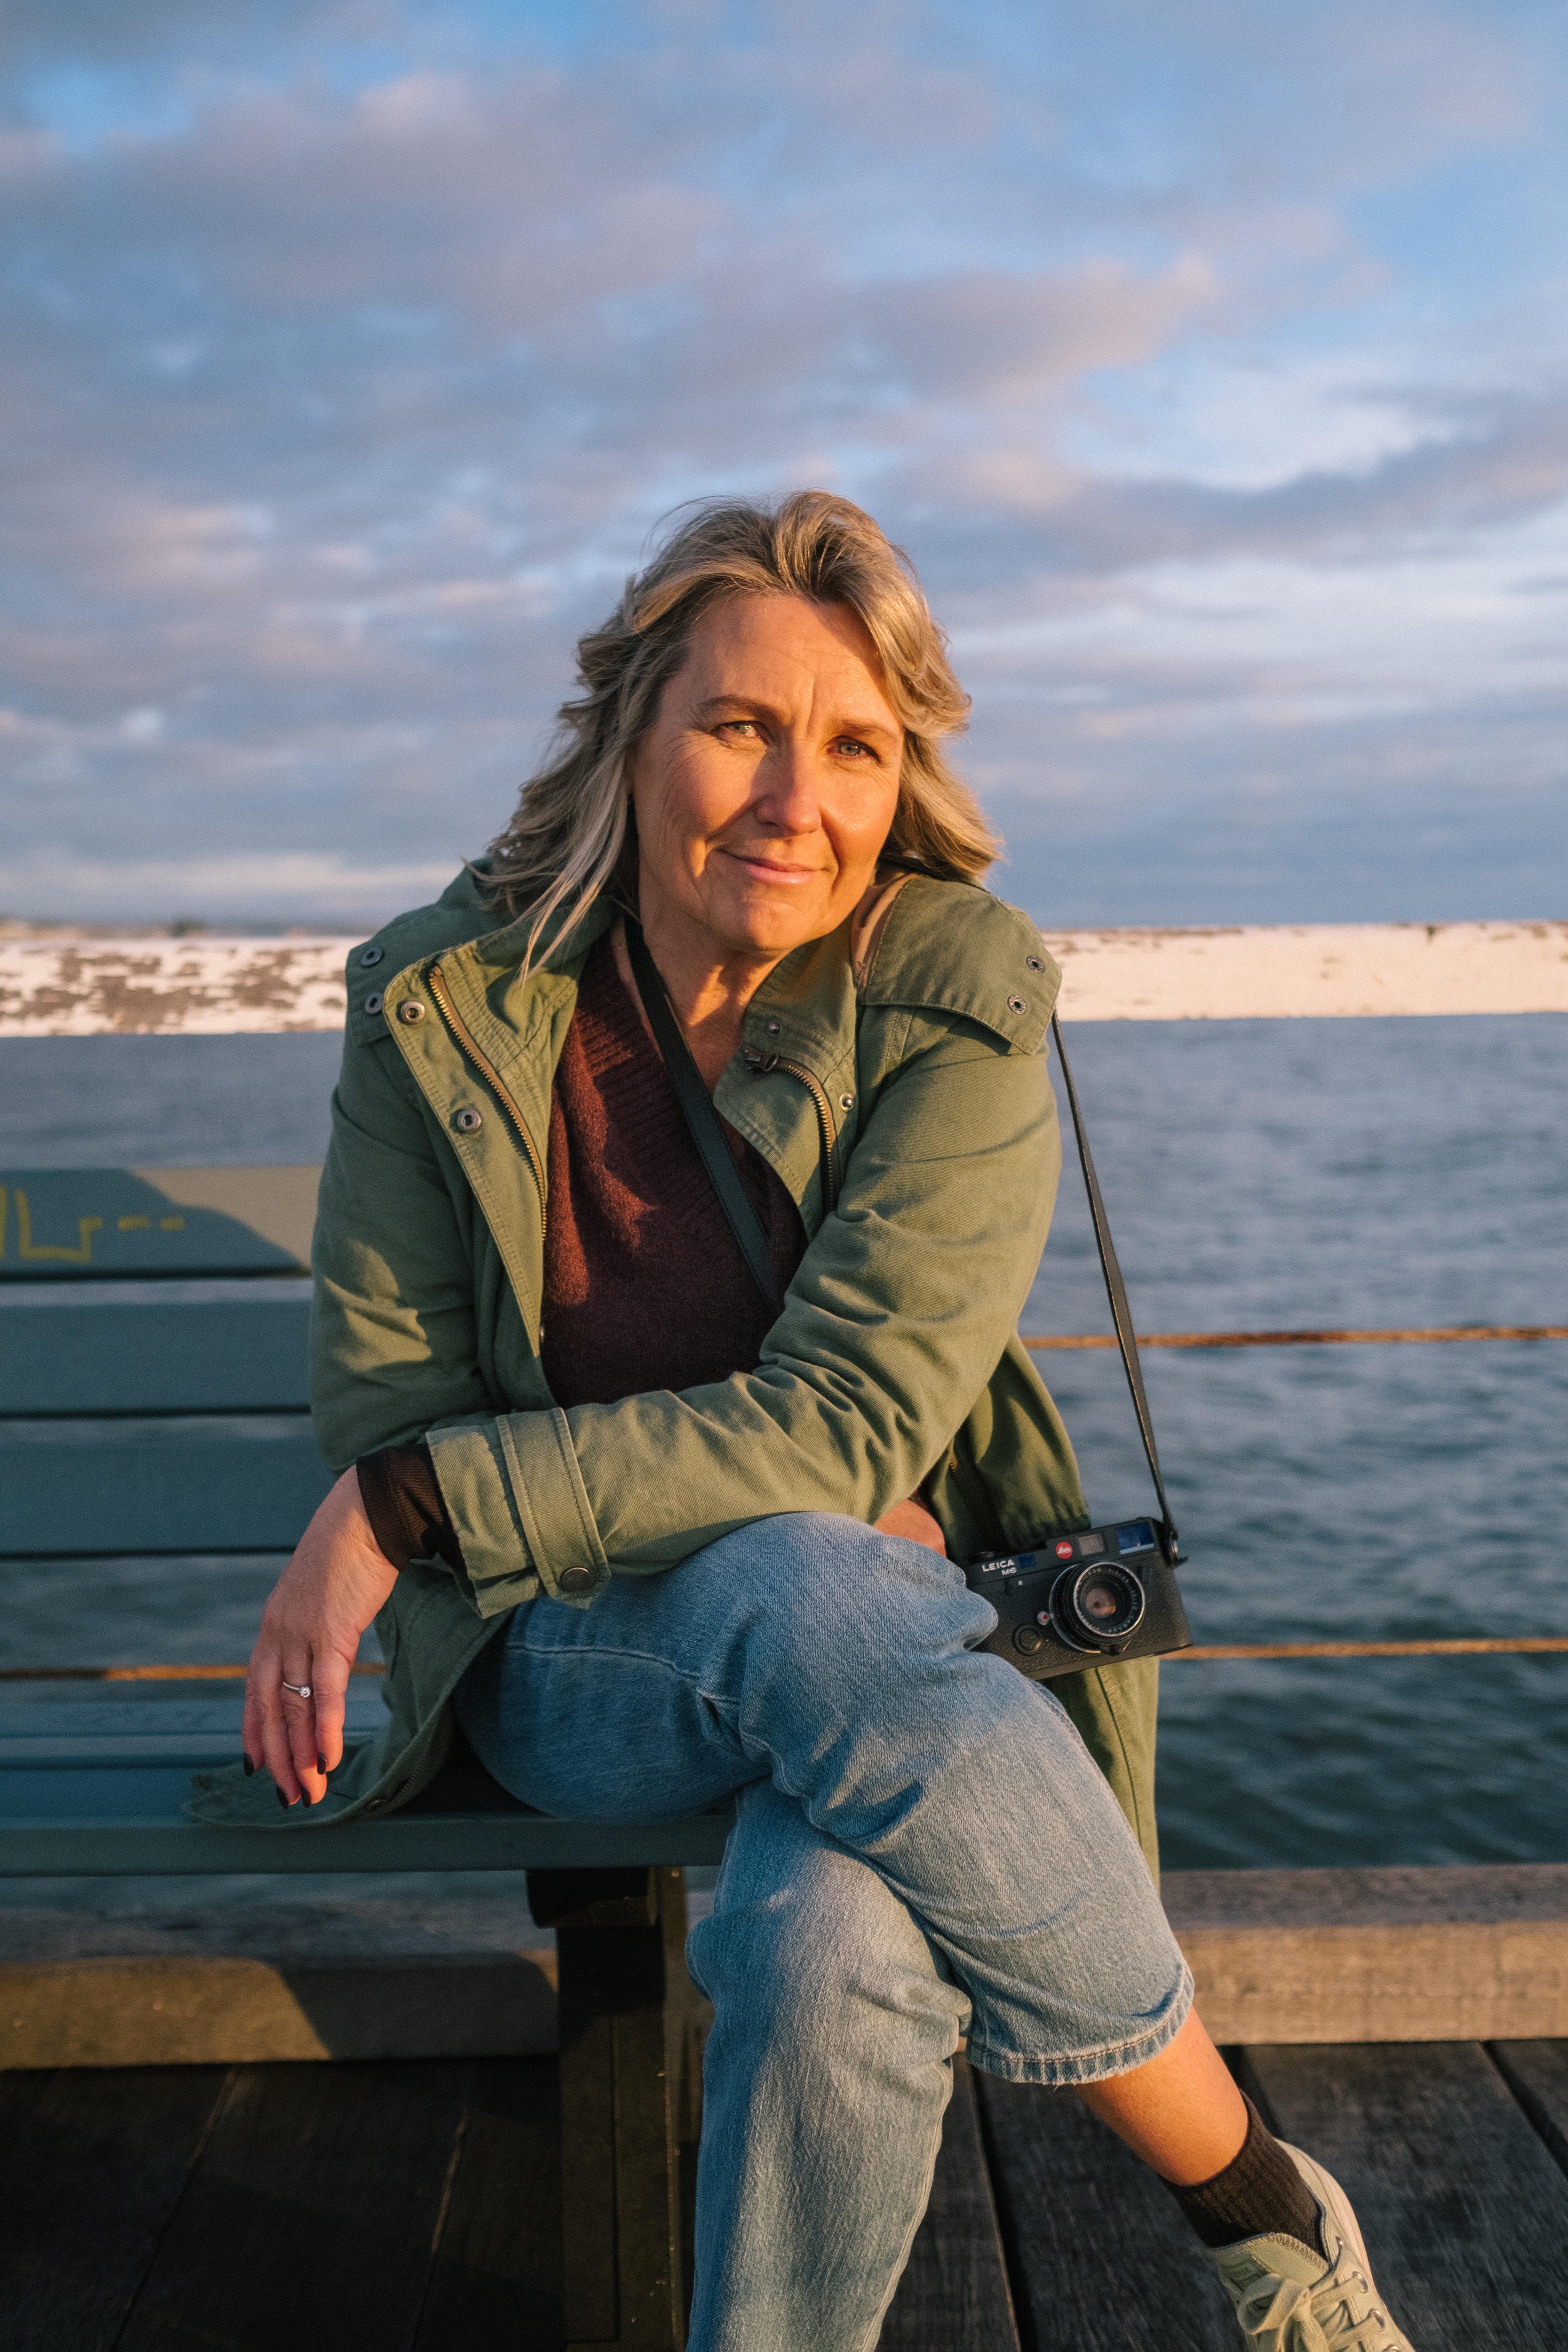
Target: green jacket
[[907, 1108]]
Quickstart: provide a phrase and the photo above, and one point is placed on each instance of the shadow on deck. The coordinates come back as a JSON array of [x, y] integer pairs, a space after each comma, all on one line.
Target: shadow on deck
[[414, 2206]]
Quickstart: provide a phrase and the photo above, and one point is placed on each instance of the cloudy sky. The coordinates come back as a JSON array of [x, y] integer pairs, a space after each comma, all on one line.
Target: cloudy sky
[[1210, 357]]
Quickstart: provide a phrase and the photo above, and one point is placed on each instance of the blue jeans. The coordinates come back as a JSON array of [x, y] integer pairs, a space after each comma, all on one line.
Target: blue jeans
[[922, 1847]]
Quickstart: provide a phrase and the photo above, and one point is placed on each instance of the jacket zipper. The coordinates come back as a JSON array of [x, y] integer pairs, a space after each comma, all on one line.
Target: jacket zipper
[[462, 1037], [827, 1133]]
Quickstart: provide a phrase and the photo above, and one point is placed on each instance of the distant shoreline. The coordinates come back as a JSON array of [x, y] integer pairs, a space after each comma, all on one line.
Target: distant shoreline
[[60, 982]]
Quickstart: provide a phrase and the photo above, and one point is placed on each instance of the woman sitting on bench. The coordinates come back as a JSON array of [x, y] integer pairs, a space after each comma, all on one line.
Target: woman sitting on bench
[[655, 1478]]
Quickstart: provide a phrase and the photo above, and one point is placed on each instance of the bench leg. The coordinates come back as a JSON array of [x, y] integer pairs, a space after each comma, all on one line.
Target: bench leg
[[628, 2099]]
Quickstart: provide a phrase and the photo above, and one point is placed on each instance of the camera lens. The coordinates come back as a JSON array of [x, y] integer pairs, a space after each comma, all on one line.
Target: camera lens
[[1097, 1608]]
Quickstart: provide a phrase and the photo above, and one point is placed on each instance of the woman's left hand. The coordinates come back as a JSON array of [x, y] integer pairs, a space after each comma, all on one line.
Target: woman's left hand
[[309, 1637]]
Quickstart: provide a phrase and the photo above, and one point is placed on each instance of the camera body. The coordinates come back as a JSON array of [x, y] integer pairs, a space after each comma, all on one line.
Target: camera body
[[1087, 1598]]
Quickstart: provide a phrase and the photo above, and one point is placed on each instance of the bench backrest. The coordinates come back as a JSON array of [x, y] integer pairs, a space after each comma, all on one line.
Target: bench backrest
[[154, 1335]]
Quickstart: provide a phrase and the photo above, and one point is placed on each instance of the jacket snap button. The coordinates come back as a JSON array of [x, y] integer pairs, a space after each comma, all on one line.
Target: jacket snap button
[[371, 955], [467, 1121], [374, 1001], [846, 1102], [774, 1028], [411, 1009], [1034, 963], [1016, 1004], [574, 1580]]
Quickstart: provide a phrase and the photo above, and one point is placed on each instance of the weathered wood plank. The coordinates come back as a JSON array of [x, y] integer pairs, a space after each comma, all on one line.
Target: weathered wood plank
[[192, 1483], [242, 1984], [91, 2169], [74, 1223], [207, 2011], [953, 2295], [236, 1354], [1100, 2258], [1479, 1953], [496, 2277], [1537, 2074], [1465, 2214], [312, 2208]]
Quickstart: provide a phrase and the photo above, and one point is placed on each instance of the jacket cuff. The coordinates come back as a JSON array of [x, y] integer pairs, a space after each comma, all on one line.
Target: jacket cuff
[[403, 1505], [545, 1486], [498, 1570]]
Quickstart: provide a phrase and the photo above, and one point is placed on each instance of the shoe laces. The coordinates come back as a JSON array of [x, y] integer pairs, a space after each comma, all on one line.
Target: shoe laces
[[1322, 2317]]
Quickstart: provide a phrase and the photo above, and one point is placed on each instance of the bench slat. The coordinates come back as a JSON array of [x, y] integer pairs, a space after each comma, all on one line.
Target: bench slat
[[215, 1355], [113, 1845], [68, 1223], [197, 1483]]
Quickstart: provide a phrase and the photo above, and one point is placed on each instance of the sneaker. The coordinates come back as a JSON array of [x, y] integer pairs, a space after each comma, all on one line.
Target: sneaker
[[1285, 2298]]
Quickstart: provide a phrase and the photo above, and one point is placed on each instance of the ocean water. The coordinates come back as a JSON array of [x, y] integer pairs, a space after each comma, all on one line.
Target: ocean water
[[1258, 1174]]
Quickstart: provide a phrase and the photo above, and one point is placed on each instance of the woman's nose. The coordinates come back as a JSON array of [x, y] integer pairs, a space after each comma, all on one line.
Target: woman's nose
[[787, 792]]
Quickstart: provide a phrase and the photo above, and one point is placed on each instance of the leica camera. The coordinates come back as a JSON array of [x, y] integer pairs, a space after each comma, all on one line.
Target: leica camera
[[1085, 1599]]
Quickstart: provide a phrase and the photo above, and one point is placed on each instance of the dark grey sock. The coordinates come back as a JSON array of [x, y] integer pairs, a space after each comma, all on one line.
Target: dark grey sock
[[1259, 2194]]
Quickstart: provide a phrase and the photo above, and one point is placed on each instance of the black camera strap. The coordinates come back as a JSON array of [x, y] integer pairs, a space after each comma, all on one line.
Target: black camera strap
[[707, 1134], [706, 1126], [1116, 1290]]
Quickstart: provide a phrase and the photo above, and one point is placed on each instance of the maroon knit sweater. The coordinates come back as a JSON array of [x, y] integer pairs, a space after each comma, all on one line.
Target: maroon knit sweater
[[644, 1286]]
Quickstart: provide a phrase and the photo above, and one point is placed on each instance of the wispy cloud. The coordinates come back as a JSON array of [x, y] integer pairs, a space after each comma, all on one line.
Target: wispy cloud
[[1208, 359]]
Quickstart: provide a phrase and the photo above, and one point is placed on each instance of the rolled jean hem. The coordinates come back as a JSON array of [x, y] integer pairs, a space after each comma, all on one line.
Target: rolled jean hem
[[1092, 2065]]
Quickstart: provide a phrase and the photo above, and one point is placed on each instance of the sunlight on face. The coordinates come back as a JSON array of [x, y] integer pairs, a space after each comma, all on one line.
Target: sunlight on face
[[765, 787]]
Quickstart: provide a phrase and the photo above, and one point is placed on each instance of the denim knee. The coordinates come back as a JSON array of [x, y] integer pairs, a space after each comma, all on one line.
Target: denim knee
[[855, 1600], [810, 1938]]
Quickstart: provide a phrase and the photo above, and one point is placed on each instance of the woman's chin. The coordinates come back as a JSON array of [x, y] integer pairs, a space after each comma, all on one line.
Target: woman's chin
[[769, 921]]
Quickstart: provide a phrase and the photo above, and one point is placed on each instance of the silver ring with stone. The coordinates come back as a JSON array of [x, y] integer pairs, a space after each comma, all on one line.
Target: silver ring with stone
[[301, 1690]]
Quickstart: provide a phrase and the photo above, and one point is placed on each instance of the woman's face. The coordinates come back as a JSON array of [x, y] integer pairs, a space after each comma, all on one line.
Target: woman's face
[[766, 786]]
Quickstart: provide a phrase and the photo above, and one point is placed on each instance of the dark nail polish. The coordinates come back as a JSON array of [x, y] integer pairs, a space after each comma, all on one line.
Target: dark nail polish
[[321, 1763], [249, 1766], [305, 1797], [282, 1800]]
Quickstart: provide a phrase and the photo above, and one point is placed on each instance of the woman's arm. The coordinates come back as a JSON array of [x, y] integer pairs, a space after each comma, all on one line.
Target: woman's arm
[[893, 1324], [309, 1637], [393, 1348]]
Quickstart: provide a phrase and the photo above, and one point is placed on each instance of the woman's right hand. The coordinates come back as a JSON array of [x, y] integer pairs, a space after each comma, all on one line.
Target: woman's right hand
[[310, 1628], [915, 1524]]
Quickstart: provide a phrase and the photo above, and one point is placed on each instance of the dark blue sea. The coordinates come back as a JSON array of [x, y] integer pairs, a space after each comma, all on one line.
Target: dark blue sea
[[1258, 1174]]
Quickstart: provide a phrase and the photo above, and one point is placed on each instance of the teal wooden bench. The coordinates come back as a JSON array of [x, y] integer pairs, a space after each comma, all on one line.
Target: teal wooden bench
[[152, 1402]]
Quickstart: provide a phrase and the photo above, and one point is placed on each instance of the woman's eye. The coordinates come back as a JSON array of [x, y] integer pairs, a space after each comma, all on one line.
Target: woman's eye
[[853, 745], [747, 729]]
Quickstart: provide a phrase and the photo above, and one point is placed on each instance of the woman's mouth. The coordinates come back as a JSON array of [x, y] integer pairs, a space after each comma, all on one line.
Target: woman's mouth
[[774, 869]]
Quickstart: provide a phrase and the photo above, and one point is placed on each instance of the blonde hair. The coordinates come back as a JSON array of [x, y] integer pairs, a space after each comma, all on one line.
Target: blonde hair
[[571, 837]]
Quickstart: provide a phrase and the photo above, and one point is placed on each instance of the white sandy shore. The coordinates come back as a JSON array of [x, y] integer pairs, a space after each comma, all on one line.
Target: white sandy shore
[[66, 985]]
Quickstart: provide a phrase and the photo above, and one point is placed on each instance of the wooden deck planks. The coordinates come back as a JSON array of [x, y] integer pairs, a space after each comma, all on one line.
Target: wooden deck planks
[[494, 2274], [1537, 2074], [954, 2296], [313, 2210], [407, 2207], [1464, 2213], [92, 2167], [1100, 2257]]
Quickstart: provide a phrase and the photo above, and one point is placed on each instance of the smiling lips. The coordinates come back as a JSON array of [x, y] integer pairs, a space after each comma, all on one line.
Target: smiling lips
[[769, 869]]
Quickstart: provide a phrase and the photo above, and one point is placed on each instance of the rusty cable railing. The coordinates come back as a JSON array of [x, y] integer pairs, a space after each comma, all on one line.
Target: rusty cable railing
[[1201, 1653], [1464, 1647], [1052, 1339]]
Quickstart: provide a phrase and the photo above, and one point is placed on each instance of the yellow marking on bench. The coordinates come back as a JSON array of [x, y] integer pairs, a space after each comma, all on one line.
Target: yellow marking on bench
[[27, 1248], [134, 1224]]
